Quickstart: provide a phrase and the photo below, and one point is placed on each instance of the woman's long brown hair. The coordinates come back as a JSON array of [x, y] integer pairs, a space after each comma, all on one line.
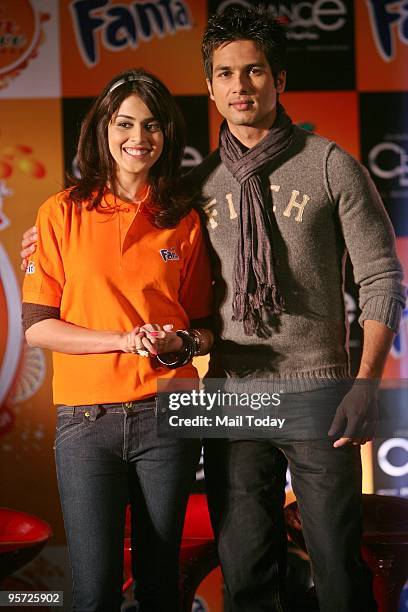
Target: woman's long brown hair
[[97, 166]]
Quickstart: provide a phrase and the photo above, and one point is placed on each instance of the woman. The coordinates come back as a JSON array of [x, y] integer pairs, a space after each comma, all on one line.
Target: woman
[[120, 265]]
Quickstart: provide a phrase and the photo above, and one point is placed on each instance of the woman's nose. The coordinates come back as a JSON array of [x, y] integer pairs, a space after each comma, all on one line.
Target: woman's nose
[[137, 134]]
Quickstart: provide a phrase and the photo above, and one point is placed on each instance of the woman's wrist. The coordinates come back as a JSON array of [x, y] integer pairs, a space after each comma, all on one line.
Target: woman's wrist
[[194, 342], [125, 341], [176, 345], [122, 341], [183, 357], [184, 345]]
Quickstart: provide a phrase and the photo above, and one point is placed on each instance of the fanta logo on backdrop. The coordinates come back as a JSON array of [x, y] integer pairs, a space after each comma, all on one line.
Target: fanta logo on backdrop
[[20, 36], [389, 19], [11, 38], [125, 25], [388, 160]]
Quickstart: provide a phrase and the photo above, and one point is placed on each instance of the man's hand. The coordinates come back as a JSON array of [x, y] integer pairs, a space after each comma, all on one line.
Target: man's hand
[[357, 414], [28, 246]]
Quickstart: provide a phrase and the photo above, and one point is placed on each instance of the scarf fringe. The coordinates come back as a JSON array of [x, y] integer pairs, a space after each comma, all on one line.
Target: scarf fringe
[[249, 308]]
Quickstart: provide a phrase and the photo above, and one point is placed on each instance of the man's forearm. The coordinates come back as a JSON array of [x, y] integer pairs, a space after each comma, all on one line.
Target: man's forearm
[[376, 346]]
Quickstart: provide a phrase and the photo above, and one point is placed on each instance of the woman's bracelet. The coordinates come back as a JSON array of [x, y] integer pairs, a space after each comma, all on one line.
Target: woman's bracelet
[[192, 346], [204, 339], [197, 337], [177, 360]]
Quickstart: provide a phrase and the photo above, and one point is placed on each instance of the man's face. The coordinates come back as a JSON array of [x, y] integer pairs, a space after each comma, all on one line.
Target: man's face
[[243, 86]]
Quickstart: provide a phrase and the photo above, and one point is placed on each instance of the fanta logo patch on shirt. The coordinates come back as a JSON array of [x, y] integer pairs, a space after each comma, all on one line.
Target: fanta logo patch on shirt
[[30, 267], [169, 254]]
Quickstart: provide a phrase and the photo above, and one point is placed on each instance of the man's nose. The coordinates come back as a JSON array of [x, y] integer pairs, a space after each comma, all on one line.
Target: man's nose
[[241, 83]]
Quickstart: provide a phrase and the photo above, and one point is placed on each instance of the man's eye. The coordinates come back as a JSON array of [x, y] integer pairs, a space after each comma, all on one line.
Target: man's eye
[[255, 71], [224, 74]]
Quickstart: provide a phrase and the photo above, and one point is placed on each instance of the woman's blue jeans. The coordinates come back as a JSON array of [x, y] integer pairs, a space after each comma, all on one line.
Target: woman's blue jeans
[[107, 456]]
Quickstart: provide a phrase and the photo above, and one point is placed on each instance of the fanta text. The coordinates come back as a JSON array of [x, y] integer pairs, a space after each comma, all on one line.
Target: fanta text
[[389, 19], [169, 254], [118, 26]]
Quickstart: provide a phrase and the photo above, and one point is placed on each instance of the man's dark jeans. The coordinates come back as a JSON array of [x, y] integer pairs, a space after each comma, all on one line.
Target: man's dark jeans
[[245, 482], [108, 456]]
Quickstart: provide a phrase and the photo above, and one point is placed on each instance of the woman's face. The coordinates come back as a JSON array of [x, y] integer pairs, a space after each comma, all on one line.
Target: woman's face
[[135, 139]]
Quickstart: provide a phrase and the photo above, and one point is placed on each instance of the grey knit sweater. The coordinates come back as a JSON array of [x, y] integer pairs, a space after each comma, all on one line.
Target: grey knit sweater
[[324, 204]]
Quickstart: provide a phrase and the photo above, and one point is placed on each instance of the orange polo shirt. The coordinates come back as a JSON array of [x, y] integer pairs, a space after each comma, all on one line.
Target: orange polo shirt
[[111, 269]]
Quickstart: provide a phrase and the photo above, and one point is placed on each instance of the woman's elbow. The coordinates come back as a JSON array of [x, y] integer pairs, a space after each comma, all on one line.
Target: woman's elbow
[[31, 337], [34, 335]]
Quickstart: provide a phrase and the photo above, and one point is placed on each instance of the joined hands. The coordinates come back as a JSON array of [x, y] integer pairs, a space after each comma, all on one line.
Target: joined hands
[[151, 338]]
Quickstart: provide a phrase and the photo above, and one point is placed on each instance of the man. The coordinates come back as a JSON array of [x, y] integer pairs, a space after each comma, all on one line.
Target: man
[[283, 205]]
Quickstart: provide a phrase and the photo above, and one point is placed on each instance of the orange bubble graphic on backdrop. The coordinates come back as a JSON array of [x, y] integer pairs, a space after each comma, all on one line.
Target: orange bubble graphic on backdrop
[[20, 36], [20, 158], [32, 167], [6, 169]]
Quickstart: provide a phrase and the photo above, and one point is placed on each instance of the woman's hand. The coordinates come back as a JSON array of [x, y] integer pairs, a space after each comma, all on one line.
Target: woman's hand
[[157, 340], [130, 341], [151, 338]]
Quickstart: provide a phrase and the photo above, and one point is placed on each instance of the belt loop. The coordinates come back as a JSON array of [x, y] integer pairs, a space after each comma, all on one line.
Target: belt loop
[[129, 407], [93, 412]]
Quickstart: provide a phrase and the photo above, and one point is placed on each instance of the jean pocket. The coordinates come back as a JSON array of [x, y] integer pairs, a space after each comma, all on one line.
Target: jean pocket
[[69, 425]]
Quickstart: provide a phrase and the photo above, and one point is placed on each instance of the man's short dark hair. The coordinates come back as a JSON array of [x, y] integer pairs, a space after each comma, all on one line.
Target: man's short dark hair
[[245, 23]]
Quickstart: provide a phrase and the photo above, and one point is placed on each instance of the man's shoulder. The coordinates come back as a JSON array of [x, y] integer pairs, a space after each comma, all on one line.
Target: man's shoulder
[[311, 139], [314, 147]]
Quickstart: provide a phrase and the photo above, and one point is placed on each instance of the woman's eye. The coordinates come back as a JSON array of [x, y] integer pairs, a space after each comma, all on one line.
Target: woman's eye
[[124, 124], [153, 127]]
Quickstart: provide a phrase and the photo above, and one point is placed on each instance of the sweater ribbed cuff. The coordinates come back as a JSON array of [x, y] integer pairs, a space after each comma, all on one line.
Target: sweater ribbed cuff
[[34, 313], [384, 309]]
